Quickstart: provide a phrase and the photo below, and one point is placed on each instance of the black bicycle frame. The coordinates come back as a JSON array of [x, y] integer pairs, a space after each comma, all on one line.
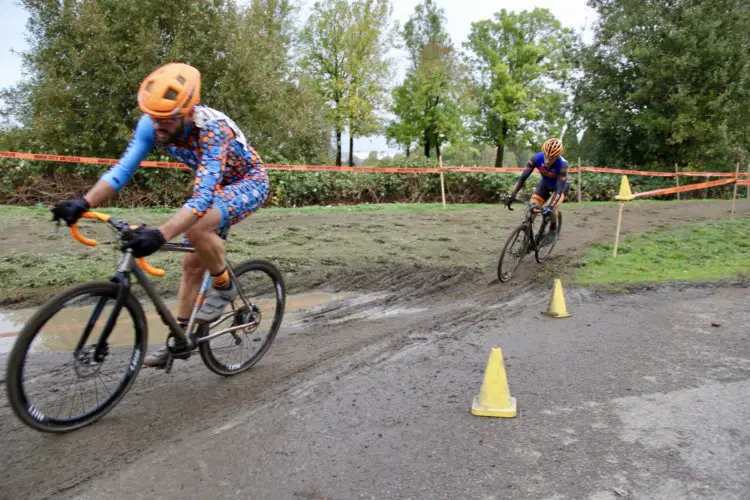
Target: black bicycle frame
[[129, 266], [529, 223]]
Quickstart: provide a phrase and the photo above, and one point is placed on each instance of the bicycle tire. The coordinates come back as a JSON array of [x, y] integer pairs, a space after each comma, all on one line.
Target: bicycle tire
[[17, 397], [511, 239], [538, 252], [206, 352]]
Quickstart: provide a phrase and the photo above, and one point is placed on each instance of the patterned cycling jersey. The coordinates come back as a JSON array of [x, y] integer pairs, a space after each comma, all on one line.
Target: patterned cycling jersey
[[549, 172], [214, 148]]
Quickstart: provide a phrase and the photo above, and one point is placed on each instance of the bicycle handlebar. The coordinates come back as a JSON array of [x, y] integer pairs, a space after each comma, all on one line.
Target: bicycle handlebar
[[528, 204], [119, 226]]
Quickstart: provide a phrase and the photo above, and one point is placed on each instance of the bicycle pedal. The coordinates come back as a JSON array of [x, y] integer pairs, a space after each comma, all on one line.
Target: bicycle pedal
[[168, 365]]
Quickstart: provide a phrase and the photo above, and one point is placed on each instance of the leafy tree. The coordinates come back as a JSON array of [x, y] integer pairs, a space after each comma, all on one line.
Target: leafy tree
[[667, 82], [570, 141], [367, 67], [325, 39], [461, 153], [587, 149], [279, 108], [428, 103], [87, 59], [519, 61], [371, 160], [404, 129]]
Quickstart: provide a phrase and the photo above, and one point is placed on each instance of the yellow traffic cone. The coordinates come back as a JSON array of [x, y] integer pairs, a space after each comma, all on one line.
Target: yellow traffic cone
[[494, 398], [556, 307], [625, 193]]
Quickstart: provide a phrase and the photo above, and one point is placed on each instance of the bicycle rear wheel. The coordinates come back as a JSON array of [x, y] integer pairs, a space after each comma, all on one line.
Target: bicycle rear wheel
[[235, 352], [515, 249], [55, 387], [542, 252]]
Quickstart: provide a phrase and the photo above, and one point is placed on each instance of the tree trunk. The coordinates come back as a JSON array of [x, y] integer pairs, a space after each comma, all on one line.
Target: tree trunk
[[338, 147], [408, 150], [427, 145], [351, 150], [500, 154], [501, 145], [437, 147]]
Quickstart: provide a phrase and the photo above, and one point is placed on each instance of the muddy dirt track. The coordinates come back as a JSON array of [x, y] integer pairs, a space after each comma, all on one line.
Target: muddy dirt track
[[367, 396]]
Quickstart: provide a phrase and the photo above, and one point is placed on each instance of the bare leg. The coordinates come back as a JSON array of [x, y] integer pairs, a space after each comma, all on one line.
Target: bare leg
[[190, 285], [553, 219], [210, 254], [209, 245]]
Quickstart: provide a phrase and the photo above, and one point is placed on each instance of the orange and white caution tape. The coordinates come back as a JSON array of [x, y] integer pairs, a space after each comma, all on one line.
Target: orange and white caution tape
[[372, 170], [682, 189]]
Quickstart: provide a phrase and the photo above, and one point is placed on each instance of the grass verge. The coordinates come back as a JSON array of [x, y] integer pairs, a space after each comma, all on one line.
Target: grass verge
[[692, 252]]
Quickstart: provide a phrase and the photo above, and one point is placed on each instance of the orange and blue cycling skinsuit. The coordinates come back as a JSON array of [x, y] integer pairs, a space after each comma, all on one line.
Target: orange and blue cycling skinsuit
[[229, 174], [554, 179]]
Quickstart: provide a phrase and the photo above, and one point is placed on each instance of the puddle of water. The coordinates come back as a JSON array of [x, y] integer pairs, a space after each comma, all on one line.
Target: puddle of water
[[377, 313], [69, 323], [12, 321], [305, 301]]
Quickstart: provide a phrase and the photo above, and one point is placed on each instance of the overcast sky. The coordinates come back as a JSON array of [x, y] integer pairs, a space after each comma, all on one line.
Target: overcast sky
[[459, 14]]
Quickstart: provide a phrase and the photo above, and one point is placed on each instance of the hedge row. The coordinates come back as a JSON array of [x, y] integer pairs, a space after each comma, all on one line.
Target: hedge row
[[29, 183]]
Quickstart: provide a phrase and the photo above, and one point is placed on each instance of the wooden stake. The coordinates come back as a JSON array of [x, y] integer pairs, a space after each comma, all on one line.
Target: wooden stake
[[579, 181], [677, 179], [736, 178], [619, 225], [442, 179]]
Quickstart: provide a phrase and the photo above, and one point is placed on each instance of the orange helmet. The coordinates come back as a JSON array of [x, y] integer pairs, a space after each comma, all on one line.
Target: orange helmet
[[552, 148], [170, 90]]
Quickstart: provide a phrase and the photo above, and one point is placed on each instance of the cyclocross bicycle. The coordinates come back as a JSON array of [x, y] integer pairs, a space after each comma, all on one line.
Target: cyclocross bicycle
[[89, 353], [522, 241]]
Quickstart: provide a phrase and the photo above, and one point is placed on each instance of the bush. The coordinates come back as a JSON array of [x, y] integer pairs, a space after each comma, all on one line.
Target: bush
[[29, 183]]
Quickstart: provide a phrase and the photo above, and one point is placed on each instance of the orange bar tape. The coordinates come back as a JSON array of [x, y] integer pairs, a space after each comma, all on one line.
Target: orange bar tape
[[682, 189], [372, 170]]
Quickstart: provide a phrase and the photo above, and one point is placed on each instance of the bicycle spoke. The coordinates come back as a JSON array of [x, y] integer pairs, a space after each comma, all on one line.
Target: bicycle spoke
[[72, 405], [83, 401], [249, 342], [103, 383], [63, 397], [259, 283], [108, 376], [96, 392]]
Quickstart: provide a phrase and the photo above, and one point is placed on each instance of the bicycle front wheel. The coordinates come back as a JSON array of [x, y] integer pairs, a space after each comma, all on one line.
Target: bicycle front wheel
[[542, 252], [255, 323], [514, 251], [56, 382]]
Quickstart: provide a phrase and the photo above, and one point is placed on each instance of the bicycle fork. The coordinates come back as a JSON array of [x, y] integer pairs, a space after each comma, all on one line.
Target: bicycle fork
[[123, 288]]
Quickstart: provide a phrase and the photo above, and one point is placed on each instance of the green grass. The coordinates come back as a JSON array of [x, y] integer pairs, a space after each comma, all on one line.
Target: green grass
[[365, 207], [694, 252], [309, 244]]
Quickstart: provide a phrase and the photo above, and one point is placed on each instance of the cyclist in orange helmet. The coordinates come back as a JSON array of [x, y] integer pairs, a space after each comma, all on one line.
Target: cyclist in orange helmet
[[230, 184], [553, 185]]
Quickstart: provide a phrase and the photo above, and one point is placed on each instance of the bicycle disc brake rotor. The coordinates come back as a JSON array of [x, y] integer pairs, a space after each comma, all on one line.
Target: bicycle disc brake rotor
[[85, 365]]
